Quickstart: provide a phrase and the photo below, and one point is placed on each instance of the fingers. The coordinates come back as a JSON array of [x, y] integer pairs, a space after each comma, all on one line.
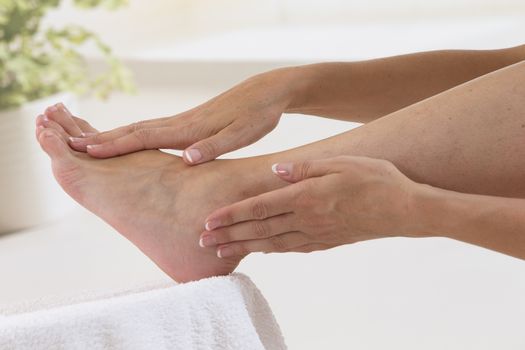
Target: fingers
[[256, 208], [59, 114], [133, 136], [248, 230], [226, 140], [276, 244], [298, 171], [155, 138]]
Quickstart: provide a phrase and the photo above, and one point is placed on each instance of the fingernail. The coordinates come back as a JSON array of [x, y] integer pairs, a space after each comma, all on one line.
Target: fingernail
[[46, 119], [207, 241], [282, 169], [76, 140], [225, 252], [52, 109], [87, 134], [212, 224], [93, 147], [193, 155]]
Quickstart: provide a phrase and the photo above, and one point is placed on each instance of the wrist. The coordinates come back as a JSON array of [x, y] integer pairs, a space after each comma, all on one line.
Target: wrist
[[294, 83], [437, 212]]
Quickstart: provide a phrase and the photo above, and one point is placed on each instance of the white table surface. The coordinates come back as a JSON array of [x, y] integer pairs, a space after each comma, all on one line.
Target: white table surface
[[392, 293]]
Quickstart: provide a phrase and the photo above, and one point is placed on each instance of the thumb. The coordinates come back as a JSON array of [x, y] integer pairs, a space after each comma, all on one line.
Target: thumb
[[298, 171], [208, 149]]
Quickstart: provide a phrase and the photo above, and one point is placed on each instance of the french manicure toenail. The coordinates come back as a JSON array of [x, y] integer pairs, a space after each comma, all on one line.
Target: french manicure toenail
[[193, 155], [207, 241], [212, 224], [224, 252]]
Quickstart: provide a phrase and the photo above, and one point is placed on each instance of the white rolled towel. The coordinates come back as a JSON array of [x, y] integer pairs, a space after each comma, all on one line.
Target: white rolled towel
[[216, 313]]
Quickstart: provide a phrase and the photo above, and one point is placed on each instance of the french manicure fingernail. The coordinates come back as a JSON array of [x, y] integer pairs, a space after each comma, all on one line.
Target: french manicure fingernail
[[93, 147], [225, 252], [76, 139], [282, 169], [193, 155], [212, 224], [207, 241]]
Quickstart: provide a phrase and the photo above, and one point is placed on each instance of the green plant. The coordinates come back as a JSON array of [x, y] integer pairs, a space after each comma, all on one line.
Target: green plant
[[36, 62]]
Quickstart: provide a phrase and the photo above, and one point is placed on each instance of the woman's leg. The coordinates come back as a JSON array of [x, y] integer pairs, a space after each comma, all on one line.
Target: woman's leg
[[470, 138]]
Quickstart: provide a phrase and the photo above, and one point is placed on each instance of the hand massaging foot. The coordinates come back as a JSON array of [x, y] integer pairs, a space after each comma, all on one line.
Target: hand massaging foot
[[150, 197]]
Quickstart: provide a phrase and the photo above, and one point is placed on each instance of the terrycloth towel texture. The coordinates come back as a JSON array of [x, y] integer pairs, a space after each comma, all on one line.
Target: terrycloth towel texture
[[215, 313]]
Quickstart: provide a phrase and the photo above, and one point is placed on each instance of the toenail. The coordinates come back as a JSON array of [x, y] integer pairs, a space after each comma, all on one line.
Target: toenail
[[225, 252], [212, 224], [193, 155], [207, 241]]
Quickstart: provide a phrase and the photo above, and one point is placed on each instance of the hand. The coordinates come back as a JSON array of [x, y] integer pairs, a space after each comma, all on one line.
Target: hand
[[332, 202], [234, 119]]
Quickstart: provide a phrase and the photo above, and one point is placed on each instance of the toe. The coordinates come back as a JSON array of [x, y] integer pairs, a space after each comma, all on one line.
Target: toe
[[50, 124], [59, 114], [53, 144]]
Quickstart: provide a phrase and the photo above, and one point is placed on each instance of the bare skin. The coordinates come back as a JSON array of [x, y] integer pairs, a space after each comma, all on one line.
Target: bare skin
[[465, 139], [357, 91]]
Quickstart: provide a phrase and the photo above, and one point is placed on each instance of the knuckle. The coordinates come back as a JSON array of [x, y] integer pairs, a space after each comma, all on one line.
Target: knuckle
[[278, 244], [260, 229], [144, 137], [134, 127], [304, 169], [208, 147], [143, 134], [259, 210]]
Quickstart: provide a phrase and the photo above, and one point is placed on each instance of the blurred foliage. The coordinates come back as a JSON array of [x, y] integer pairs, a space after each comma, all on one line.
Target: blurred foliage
[[36, 62]]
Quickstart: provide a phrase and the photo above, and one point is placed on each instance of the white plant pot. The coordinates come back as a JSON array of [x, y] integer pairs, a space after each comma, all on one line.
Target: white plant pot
[[29, 194]]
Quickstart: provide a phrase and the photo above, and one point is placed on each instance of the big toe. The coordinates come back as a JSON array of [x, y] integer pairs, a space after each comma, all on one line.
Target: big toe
[[60, 114], [54, 145]]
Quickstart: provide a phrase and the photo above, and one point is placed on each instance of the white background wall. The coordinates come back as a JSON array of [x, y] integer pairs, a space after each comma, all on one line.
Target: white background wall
[[395, 293], [163, 25]]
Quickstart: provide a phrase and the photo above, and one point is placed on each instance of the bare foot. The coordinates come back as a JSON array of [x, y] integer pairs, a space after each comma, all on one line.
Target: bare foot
[[150, 197]]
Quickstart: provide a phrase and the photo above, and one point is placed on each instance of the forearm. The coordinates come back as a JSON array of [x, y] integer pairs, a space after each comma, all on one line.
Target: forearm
[[495, 223], [366, 90], [468, 139]]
